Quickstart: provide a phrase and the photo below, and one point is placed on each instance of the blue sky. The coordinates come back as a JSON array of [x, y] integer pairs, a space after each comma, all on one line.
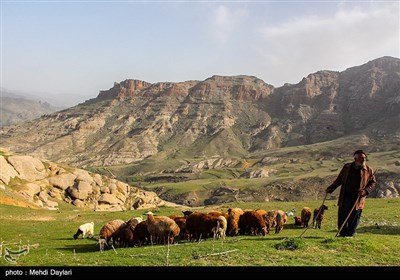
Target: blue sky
[[82, 47]]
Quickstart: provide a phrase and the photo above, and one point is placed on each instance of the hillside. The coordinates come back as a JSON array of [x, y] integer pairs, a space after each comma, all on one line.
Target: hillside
[[18, 109], [232, 138]]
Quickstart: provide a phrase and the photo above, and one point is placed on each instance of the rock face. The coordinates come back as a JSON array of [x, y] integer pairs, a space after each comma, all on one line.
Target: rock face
[[223, 116], [46, 184]]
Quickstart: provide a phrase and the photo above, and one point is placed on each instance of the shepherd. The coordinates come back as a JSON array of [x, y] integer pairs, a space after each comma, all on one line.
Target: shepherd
[[357, 180]]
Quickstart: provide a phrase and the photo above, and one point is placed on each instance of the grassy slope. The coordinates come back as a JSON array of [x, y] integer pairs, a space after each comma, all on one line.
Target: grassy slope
[[50, 235], [300, 162]]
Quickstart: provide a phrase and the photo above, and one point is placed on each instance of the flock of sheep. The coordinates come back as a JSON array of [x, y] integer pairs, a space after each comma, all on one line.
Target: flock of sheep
[[195, 226]]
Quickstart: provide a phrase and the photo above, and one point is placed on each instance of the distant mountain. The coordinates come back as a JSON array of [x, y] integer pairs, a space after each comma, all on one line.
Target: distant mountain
[[19, 109], [58, 100], [17, 106], [221, 116]]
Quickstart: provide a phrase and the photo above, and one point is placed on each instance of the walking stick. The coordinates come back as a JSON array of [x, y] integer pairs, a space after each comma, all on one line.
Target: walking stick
[[348, 216], [320, 208]]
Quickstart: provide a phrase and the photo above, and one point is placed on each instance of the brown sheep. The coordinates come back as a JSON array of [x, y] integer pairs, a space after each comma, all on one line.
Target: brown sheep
[[162, 229], [110, 231], [181, 222], [270, 220], [305, 216], [126, 233], [173, 216], [201, 225], [140, 235], [233, 221], [297, 221], [262, 212], [275, 218], [253, 222], [217, 214], [280, 219], [126, 237], [317, 218]]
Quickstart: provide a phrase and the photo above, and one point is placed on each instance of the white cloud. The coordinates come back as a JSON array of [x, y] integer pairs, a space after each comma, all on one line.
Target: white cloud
[[225, 20], [351, 36]]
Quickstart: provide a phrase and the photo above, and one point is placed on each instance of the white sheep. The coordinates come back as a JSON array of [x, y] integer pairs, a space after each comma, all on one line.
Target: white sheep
[[291, 212], [87, 230]]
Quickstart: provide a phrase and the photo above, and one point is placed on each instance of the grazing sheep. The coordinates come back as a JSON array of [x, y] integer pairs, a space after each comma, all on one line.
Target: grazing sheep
[[262, 212], [181, 222], [291, 212], [201, 225], [218, 213], [233, 221], [275, 218], [281, 219], [297, 221], [126, 237], [317, 219], [87, 230], [174, 216], [110, 231], [140, 234], [252, 222], [270, 221], [220, 231], [126, 232], [162, 228], [305, 216], [134, 221]]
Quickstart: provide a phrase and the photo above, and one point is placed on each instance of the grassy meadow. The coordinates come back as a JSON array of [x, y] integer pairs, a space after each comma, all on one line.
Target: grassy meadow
[[49, 235]]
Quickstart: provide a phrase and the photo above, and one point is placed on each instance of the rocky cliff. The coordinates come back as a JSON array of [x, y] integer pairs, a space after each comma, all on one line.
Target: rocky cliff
[[224, 116]]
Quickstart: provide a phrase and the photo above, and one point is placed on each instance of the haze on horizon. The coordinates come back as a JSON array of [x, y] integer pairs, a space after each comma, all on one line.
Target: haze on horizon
[[54, 48]]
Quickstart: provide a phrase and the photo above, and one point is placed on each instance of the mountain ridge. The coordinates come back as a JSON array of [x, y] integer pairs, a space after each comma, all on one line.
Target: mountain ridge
[[135, 119], [199, 142]]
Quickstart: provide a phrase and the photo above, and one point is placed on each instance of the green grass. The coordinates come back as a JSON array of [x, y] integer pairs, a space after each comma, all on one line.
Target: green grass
[[49, 234]]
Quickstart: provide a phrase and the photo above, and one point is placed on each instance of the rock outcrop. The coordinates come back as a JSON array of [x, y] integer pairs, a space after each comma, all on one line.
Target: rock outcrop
[[46, 184]]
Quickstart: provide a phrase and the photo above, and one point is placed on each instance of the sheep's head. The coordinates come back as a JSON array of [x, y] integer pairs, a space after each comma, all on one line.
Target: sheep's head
[[148, 213], [186, 213], [101, 243]]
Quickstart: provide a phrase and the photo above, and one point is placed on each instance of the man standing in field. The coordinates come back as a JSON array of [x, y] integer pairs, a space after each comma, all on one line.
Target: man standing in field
[[357, 180]]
